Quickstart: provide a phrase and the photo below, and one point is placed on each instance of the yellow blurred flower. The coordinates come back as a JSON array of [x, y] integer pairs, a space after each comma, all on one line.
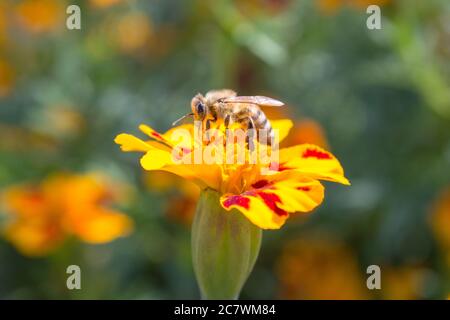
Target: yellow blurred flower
[[106, 3], [63, 121], [43, 215], [249, 7], [402, 283], [331, 6], [41, 15], [313, 268], [133, 32], [30, 139], [7, 78], [440, 221], [265, 199]]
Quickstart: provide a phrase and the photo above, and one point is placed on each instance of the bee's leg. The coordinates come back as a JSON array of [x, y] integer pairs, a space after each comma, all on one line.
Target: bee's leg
[[226, 122], [207, 127], [251, 134]]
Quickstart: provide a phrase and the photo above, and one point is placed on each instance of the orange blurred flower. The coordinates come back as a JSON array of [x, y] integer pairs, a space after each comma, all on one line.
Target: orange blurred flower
[[41, 15], [402, 283], [313, 268], [181, 205], [440, 221], [7, 78], [307, 131], [43, 215], [3, 24], [332, 6]]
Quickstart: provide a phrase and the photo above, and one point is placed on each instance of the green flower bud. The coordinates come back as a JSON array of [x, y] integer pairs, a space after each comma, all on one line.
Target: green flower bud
[[225, 246]]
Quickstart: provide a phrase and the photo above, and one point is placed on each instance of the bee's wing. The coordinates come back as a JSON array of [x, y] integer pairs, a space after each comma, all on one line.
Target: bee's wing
[[258, 100], [214, 95]]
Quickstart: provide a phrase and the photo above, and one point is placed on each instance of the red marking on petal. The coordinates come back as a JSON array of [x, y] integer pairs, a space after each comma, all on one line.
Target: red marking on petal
[[260, 184], [278, 167], [283, 168], [271, 200], [236, 201], [157, 135], [314, 153], [304, 188]]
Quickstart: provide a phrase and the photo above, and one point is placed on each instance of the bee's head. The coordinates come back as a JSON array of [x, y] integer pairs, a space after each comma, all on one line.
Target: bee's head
[[198, 106]]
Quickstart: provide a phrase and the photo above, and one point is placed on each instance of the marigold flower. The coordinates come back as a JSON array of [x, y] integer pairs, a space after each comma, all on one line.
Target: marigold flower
[[225, 243], [43, 215], [266, 200]]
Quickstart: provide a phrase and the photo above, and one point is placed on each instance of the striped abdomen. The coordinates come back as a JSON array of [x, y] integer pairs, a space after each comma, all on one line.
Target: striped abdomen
[[262, 125], [246, 114]]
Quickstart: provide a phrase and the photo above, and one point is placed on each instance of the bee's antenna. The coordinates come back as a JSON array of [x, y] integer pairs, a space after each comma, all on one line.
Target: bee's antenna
[[183, 117]]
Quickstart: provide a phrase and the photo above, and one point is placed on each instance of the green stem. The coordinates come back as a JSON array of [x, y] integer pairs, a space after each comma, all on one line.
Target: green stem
[[225, 246]]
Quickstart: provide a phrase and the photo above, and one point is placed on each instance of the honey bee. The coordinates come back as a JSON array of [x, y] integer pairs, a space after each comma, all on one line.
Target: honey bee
[[224, 105]]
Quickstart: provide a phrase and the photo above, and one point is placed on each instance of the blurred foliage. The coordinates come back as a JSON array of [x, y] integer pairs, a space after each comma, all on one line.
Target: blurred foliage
[[381, 97]]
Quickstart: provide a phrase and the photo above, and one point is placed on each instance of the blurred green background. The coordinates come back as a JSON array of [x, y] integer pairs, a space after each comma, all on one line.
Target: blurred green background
[[378, 99]]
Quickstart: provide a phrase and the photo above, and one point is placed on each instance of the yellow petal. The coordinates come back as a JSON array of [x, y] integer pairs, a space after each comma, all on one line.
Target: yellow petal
[[156, 159], [298, 195], [129, 142], [203, 175], [255, 210], [312, 161], [283, 126], [269, 200], [154, 134]]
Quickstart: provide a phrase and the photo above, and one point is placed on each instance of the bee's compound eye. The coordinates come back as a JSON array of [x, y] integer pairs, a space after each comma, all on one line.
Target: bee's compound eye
[[200, 108]]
